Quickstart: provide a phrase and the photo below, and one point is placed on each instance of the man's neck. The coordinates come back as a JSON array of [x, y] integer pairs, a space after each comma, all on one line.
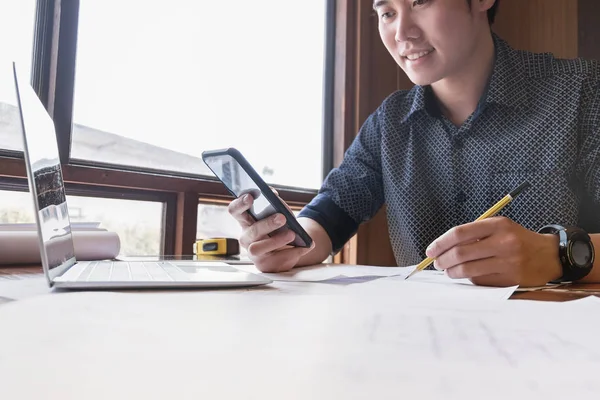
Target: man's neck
[[459, 95]]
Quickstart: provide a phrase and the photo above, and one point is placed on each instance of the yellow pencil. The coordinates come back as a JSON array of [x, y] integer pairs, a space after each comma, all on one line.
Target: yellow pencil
[[489, 213]]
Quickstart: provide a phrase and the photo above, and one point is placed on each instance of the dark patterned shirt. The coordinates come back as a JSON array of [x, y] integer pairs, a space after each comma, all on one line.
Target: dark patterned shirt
[[538, 121]]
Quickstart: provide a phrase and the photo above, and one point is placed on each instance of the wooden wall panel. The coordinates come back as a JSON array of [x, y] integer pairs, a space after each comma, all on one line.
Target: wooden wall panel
[[377, 70], [346, 48], [185, 223], [540, 25], [378, 77], [589, 29]]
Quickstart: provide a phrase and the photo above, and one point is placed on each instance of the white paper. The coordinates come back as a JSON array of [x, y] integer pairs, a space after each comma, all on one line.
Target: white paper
[[325, 272], [23, 286], [390, 282], [589, 300], [291, 288], [90, 245], [98, 345], [329, 280], [433, 285]]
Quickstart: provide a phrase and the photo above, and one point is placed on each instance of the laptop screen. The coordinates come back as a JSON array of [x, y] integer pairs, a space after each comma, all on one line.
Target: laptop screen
[[45, 180]]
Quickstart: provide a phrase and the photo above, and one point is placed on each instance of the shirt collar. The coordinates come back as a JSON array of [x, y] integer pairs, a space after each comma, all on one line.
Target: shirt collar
[[505, 87]]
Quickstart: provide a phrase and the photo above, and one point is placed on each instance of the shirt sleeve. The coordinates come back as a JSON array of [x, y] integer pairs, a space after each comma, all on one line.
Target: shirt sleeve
[[353, 192]]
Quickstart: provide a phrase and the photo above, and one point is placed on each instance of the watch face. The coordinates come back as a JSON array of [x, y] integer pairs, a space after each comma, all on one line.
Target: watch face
[[581, 253]]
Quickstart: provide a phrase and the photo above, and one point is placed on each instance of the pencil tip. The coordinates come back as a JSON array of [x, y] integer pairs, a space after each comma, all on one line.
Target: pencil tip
[[518, 190]]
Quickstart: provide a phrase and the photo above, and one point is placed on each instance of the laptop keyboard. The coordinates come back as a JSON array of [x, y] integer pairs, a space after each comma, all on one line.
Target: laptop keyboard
[[123, 271]]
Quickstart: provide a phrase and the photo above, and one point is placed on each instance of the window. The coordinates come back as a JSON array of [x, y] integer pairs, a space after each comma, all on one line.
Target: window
[[137, 223], [16, 207], [137, 90], [16, 31], [156, 85]]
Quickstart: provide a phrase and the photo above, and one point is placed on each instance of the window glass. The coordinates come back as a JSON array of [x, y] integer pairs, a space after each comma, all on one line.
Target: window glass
[[159, 82], [16, 30], [137, 223]]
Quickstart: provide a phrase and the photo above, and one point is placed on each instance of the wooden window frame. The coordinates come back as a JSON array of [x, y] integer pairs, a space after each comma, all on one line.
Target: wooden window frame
[[53, 79]]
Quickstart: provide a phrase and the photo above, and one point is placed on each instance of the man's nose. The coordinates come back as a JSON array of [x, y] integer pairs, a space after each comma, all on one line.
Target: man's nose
[[406, 29]]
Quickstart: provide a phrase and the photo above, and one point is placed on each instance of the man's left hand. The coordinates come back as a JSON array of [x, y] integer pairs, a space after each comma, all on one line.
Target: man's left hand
[[497, 252]]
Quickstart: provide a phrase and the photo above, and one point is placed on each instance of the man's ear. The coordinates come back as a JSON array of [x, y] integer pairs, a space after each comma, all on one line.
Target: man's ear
[[483, 5]]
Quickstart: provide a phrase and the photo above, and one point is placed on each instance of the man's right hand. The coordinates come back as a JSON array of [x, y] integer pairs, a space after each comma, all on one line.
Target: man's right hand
[[268, 253]]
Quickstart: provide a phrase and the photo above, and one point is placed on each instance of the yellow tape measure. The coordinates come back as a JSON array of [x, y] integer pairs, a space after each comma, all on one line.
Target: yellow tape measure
[[217, 247]]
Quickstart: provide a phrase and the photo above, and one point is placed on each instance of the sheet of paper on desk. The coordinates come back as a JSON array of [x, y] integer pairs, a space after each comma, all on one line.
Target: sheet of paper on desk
[[23, 286], [389, 281], [431, 285], [335, 273], [187, 345]]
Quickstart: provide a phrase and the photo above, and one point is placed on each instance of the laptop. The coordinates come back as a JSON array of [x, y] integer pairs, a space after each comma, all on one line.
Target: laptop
[[60, 265]]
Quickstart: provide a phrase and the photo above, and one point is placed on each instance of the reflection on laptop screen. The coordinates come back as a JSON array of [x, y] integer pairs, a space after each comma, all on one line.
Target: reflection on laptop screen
[[45, 178]]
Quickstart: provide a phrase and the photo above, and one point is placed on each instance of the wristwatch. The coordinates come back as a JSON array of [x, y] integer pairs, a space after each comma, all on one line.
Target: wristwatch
[[575, 251]]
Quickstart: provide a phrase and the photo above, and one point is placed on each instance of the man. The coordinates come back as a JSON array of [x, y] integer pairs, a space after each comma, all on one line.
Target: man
[[481, 119]]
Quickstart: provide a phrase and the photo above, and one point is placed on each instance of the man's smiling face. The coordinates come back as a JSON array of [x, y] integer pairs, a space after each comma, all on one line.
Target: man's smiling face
[[430, 39]]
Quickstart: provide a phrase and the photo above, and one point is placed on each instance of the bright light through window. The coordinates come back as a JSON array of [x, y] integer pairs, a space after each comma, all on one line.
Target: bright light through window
[[16, 30], [159, 82]]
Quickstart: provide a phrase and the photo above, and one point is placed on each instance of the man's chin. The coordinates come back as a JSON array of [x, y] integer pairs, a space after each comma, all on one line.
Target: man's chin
[[422, 79]]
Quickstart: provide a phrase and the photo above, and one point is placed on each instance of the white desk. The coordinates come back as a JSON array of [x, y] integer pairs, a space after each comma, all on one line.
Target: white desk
[[295, 340]]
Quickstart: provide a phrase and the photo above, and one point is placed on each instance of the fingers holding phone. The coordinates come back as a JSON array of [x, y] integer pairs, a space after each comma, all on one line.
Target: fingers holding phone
[[266, 240], [260, 230], [269, 245], [238, 208]]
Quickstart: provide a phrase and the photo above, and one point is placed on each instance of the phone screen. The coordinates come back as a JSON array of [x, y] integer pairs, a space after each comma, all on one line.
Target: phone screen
[[239, 182]]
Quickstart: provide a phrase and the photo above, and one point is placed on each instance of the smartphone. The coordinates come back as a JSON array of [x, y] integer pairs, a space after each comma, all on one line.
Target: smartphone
[[238, 176]]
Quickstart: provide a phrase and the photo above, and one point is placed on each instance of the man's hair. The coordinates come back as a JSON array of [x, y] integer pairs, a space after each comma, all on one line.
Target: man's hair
[[491, 13]]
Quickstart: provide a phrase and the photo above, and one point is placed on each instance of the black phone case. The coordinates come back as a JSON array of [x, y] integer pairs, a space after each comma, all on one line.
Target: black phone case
[[302, 238]]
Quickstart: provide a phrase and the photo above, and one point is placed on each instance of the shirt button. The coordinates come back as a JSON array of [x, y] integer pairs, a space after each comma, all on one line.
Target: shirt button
[[458, 143], [461, 197]]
